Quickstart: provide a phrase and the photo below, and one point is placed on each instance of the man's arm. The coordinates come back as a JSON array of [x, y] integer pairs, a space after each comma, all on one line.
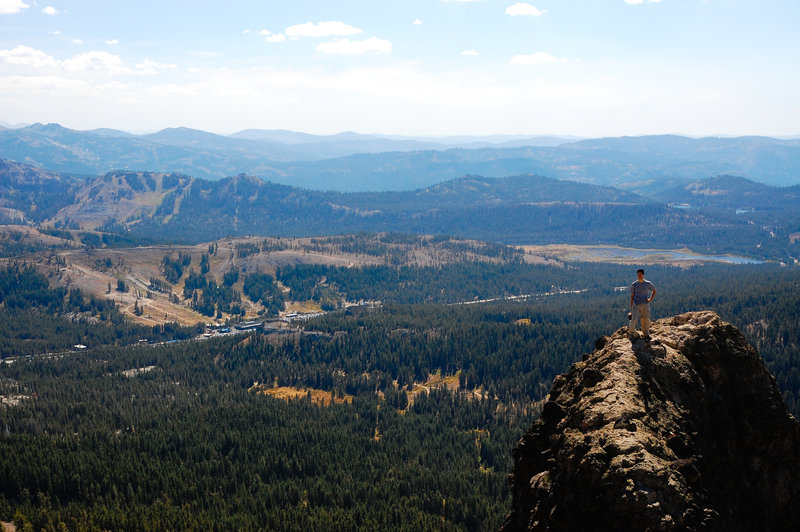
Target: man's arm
[[652, 295]]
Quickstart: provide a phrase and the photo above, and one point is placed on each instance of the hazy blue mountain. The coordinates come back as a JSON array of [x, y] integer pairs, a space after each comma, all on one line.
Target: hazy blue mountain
[[316, 147], [8, 125], [293, 137], [195, 138], [763, 159], [353, 162], [65, 150], [107, 132], [278, 135], [478, 191], [403, 143], [409, 170], [501, 141]]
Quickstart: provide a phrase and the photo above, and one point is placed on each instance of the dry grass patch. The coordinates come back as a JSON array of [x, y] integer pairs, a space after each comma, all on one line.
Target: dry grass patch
[[318, 397], [436, 380]]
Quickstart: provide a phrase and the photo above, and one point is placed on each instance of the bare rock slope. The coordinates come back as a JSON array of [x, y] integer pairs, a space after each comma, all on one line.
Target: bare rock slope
[[685, 432]]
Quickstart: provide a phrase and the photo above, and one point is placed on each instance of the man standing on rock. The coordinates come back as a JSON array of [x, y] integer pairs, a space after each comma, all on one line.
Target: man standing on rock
[[642, 293]]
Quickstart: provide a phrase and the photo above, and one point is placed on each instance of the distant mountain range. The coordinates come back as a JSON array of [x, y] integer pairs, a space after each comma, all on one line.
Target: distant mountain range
[[350, 162], [722, 215]]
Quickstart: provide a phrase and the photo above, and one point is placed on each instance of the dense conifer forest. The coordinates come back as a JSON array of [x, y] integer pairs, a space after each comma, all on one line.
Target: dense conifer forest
[[193, 434]]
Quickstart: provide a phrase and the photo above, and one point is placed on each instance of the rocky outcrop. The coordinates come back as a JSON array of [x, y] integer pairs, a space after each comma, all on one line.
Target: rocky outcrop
[[685, 432]]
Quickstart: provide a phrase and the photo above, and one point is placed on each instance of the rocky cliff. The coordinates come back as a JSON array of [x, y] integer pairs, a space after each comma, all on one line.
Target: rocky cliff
[[685, 432]]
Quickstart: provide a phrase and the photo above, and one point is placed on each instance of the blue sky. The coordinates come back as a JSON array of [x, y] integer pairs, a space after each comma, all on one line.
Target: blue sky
[[408, 67]]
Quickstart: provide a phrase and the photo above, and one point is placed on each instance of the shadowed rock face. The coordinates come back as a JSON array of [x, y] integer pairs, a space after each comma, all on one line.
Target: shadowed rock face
[[685, 432]]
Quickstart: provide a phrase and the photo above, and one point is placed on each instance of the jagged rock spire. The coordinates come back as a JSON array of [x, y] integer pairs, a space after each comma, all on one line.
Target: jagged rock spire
[[685, 432]]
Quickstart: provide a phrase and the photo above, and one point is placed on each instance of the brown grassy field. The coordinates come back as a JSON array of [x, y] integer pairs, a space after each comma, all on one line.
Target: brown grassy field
[[318, 397], [611, 254], [436, 380]]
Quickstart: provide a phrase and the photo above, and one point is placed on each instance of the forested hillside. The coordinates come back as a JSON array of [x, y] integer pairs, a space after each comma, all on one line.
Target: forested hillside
[[721, 215], [196, 434], [36, 319]]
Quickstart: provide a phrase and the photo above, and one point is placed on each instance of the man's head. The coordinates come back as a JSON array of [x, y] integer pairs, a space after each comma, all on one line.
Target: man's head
[[640, 274]]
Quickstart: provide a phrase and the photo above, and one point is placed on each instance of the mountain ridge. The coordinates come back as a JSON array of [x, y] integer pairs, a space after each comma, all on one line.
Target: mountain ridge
[[517, 210], [355, 162]]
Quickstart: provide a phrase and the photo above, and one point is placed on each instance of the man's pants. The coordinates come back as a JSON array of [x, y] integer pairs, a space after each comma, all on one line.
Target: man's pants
[[640, 311]]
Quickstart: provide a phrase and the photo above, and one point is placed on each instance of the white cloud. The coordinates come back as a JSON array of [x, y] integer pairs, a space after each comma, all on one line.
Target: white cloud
[[24, 55], [469, 52], [538, 58], [417, 22], [522, 9], [9, 7], [348, 47], [323, 29], [112, 42], [637, 2], [77, 41], [97, 61], [94, 60], [50, 10], [272, 37]]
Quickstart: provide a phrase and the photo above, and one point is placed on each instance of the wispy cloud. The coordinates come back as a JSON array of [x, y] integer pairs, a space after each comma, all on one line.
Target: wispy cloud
[[637, 2], [522, 9], [348, 47], [322, 29], [94, 61], [272, 37], [417, 22], [150, 68], [469, 52], [112, 42], [10, 7], [537, 58], [50, 10], [330, 28]]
